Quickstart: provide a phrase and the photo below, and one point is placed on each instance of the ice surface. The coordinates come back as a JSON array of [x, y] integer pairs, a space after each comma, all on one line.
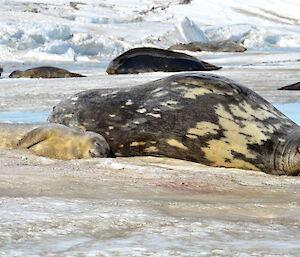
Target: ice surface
[[143, 206], [292, 110]]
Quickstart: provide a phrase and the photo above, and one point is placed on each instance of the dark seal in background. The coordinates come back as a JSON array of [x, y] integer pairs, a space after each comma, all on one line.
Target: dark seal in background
[[147, 59]]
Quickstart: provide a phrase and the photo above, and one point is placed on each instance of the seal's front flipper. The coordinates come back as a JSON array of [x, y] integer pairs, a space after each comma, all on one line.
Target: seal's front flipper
[[33, 138]]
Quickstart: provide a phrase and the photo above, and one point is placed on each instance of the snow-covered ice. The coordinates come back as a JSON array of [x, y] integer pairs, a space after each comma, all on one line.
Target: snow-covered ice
[[69, 31]]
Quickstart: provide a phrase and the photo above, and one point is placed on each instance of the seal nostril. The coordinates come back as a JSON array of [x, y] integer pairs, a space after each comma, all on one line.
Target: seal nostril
[[94, 155], [297, 152]]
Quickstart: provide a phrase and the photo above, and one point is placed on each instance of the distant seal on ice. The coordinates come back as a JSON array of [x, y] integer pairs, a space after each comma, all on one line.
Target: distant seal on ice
[[197, 117], [1, 70], [148, 59], [295, 86], [44, 72], [53, 141], [212, 46]]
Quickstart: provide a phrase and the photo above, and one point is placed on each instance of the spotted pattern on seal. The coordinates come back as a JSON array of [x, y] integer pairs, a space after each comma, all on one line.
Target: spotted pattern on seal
[[198, 117]]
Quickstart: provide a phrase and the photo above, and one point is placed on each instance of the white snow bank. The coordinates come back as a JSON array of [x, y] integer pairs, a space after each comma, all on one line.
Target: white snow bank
[[251, 36], [256, 24], [190, 31], [46, 41], [72, 31]]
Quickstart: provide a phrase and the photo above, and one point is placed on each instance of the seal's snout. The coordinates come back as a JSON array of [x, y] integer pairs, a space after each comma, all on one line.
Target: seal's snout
[[292, 157], [14, 74], [287, 159], [295, 161]]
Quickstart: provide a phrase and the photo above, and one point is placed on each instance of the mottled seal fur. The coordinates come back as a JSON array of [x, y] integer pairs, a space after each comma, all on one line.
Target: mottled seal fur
[[148, 59], [295, 86], [53, 141], [198, 117], [44, 72], [212, 46]]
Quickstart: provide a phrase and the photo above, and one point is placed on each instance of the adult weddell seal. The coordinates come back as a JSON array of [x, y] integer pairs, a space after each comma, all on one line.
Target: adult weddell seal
[[197, 117], [53, 141], [150, 59]]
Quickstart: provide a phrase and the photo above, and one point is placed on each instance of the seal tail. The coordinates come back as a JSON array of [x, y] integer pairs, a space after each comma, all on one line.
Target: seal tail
[[76, 75], [209, 66]]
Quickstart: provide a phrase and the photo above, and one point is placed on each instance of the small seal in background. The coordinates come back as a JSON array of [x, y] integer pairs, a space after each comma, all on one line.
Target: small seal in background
[[45, 72], [211, 46]]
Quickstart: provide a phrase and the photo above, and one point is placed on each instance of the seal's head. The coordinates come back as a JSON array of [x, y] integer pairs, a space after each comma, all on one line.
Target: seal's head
[[15, 74], [287, 155], [61, 142], [98, 147]]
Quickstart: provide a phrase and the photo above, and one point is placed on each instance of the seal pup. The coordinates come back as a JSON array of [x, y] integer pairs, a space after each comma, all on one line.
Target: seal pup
[[211, 46], [197, 117], [53, 141], [46, 72], [148, 59], [295, 86]]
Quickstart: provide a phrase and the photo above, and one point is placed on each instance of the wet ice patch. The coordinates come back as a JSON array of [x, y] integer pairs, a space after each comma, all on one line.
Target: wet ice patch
[[291, 110], [23, 116]]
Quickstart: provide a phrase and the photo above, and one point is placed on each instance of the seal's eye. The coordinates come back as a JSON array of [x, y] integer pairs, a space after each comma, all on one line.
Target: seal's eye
[[98, 144]]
